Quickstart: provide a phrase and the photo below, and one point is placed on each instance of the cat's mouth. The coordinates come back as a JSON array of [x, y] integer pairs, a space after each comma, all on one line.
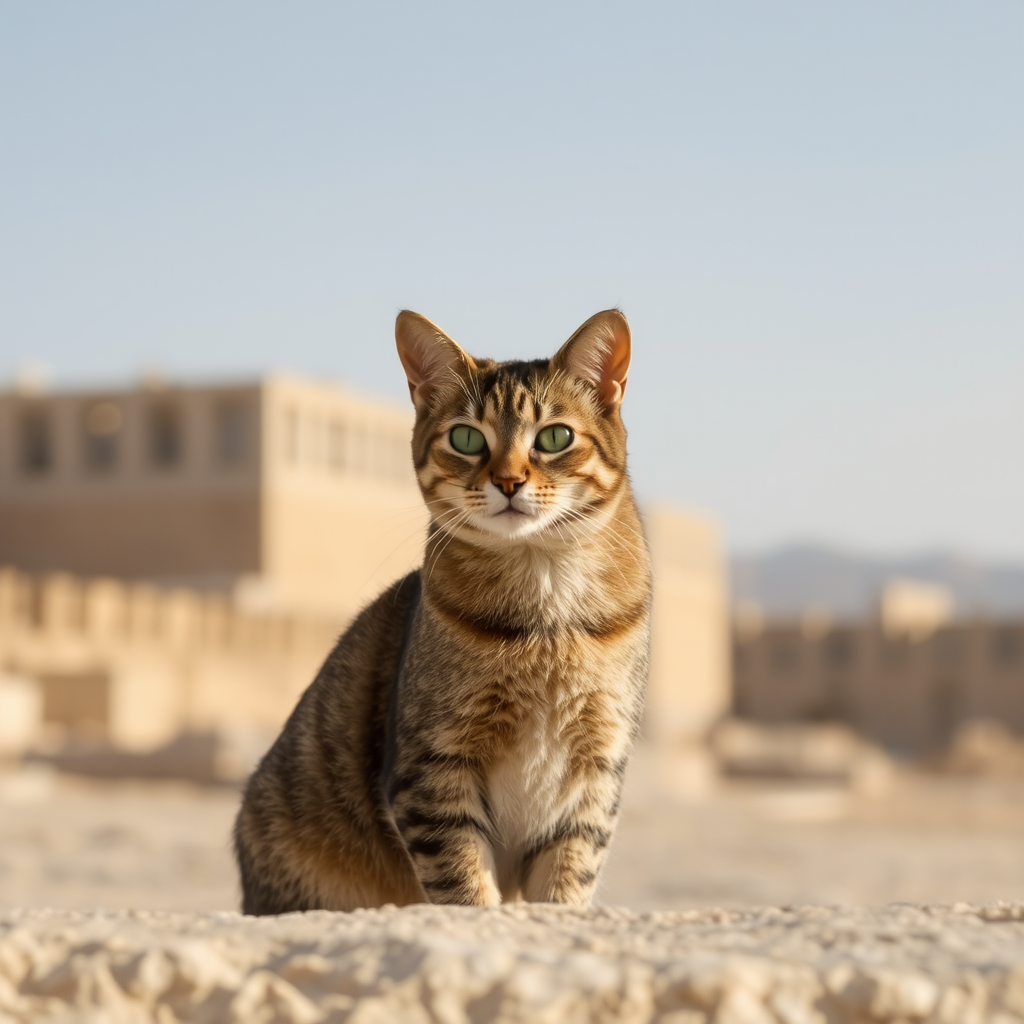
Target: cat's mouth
[[510, 521], [510, 517]]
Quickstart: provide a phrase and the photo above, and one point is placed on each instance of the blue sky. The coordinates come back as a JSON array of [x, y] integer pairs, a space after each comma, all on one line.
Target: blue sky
[[811, 213]]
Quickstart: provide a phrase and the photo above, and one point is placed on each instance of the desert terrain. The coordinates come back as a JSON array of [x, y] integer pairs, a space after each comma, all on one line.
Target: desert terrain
[[75, 843], [735, 902]]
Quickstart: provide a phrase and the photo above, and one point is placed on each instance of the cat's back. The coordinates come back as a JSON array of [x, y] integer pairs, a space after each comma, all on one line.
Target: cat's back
[[312, 802]]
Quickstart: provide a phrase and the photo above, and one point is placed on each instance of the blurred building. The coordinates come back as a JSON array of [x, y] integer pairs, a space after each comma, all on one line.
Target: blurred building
[[182, 558], [133, 665], [690, 685], [913, 608], [907, 679], [290, 495]]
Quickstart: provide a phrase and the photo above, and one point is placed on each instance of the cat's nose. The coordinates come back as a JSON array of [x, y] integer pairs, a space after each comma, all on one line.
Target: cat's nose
[[508, 485]]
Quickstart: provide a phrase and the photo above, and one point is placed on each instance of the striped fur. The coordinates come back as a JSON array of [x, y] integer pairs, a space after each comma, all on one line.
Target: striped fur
[[466, 739]]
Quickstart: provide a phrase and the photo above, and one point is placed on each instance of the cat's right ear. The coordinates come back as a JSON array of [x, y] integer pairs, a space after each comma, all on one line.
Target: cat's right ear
[[599, 353], [429, 356]]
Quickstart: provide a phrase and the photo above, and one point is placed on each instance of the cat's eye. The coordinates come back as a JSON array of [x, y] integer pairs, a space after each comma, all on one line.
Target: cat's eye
[[555, 438], [467, 440]]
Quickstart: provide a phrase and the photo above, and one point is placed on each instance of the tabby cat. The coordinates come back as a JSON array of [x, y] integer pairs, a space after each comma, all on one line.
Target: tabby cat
[[466, 739]]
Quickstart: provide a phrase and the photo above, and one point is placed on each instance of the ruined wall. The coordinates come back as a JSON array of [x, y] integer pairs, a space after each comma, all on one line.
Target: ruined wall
[[906, 691], [135, 665]]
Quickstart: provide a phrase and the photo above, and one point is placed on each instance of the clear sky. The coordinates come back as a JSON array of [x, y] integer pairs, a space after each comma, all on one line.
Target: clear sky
[[812, 214]]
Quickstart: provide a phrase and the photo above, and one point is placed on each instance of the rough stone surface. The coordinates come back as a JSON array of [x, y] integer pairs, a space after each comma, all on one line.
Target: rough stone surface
[[533, 964]]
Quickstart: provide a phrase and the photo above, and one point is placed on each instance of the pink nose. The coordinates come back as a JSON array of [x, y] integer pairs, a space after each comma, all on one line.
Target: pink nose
[[508, 485]]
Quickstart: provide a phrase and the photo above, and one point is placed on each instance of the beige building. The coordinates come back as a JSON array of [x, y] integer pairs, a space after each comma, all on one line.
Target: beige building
[[291, 495], [135, 665], [690, 684], [906, 679], [182, 557]]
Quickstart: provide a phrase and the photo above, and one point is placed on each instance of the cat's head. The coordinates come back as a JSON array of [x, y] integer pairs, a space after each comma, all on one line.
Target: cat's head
[[518, 449]]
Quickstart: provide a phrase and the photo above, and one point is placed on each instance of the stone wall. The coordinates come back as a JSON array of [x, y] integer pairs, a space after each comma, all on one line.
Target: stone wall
[[906, 691], [134, 665]]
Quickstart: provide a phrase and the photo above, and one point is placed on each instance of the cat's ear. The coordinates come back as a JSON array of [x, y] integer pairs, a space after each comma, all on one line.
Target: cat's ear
[[429, 356], [599, 353]]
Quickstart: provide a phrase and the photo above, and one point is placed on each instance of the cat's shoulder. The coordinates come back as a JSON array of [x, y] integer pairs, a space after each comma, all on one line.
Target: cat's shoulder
[[382, 622]]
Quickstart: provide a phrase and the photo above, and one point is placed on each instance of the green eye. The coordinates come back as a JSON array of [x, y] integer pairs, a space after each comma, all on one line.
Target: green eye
[[467, 440], [555, 438]]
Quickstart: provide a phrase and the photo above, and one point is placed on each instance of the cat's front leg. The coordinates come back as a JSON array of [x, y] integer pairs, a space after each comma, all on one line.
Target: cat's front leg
[[440, 816], [563, 866], [564, 869]]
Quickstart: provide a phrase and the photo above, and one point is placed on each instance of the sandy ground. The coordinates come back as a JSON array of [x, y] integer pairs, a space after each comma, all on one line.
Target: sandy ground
[[75, 844], [171, 948], [517, 964]]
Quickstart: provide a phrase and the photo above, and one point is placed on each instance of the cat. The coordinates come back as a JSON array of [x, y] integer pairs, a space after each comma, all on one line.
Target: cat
[[466, 739]]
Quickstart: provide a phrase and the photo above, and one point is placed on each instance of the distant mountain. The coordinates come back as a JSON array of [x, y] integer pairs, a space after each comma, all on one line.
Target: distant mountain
[[790, 580]]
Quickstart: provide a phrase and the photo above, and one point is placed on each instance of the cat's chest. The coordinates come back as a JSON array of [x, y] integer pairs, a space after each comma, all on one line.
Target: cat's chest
[[541, 765], [526, 783]]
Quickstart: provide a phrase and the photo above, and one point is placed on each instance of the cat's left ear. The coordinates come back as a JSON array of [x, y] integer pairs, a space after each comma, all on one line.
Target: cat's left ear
[[599, 353], [431, 359]]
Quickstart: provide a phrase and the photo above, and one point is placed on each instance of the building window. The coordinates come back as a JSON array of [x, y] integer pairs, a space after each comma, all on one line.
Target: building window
[[165, 444], [947, 649], [1007, 647], [360, 445], [35, 442], [896, 653], [945, 707], [337, 441], [314, 440], [231, 434], [783, 656], [103, 423], [291, 436], [402, 458], [838, 651], [382, 452]]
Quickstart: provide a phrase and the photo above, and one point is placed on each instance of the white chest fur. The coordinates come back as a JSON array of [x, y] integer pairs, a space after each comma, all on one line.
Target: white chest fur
[[526, 789]]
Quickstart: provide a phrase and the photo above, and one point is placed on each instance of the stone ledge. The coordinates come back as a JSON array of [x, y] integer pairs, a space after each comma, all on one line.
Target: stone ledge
[[524, 963]]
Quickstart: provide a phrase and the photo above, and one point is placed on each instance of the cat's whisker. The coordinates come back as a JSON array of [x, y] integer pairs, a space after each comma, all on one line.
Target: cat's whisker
[[599, 528], [399, 520], [439, 554], [604, 526], [417, 533], [419, 506], [451, 531]]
